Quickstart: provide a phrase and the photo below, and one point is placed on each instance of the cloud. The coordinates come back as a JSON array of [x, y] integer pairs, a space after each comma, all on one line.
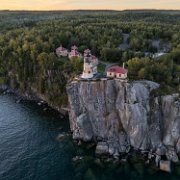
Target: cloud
[[88, 4]]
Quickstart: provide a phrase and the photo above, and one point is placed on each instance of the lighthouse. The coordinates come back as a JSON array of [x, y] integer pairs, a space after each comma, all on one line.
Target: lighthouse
[[90, 65]]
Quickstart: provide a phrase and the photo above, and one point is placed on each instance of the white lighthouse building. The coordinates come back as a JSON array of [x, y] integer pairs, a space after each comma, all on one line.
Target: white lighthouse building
[[90, 65]]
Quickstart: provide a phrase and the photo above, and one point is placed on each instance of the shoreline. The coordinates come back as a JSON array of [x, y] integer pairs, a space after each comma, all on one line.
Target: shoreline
[[5, 89]]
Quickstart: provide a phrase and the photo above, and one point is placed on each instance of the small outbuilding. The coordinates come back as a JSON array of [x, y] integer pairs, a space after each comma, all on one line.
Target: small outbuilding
[[61, 51], [74, 52], [117, 72]]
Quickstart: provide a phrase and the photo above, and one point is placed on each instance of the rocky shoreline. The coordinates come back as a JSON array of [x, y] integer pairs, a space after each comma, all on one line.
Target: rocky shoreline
[[40, 100]]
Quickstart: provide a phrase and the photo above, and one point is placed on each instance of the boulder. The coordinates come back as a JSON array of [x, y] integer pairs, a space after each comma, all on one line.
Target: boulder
[[172, 155], [60, 137], [165, 166], [102, 148]]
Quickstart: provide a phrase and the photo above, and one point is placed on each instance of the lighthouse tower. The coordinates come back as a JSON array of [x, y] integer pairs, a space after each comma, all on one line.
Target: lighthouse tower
[[88, 67]]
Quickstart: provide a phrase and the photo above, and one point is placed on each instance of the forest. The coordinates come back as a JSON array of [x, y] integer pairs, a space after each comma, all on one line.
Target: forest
[[28, 41]]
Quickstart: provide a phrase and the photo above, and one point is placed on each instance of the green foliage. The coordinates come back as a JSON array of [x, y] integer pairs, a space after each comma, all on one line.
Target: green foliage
[[144, 68], [111, 54], [77, 64], [28, 41], [164, 90], [101, 68], [2, 80], [164, 71]]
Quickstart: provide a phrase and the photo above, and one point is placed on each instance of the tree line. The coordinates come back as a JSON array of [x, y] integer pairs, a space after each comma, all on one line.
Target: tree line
[[27, 51]]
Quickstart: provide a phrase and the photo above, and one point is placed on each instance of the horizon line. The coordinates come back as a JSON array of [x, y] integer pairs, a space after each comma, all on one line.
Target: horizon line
[[91, 9]]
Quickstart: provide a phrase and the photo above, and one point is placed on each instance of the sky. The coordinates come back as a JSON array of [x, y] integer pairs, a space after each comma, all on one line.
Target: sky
[[88, 4]]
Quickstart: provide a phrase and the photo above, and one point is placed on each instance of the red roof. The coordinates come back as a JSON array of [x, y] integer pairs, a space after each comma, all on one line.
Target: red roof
[[59, 49], [74, 53], [94, 57], [74, 47], [117, 69], [87, 51]]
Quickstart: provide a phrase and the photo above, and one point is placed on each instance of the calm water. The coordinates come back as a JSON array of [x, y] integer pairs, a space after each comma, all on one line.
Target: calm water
[[29, 150]]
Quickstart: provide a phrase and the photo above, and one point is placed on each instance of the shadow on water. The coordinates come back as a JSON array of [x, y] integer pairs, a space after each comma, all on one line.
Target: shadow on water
[[36, 144]]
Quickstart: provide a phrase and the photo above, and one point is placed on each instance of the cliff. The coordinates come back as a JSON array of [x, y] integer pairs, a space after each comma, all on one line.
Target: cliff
[[119, 115]]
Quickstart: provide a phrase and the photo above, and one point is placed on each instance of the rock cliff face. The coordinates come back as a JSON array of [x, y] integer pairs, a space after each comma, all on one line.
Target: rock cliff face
[[118, 115]]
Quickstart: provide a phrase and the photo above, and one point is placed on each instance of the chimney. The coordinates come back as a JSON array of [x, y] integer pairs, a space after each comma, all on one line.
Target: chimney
[[123, 65]]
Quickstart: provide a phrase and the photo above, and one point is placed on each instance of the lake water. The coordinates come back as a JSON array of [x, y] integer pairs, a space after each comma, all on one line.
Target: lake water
[[30, 150]]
